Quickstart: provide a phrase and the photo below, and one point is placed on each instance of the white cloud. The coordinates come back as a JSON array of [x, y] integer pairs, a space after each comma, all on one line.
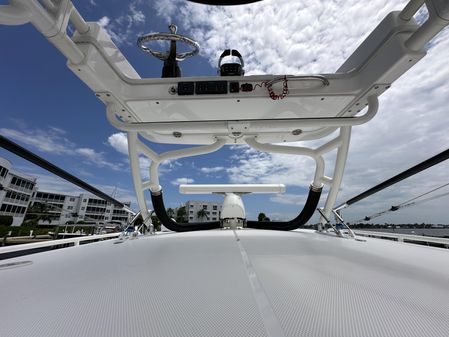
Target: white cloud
[[53, 140], [119, 142], [98, 159], [44, 140], [135, 16], [289, 199], [279, 36], [123, 28], [180, 181], [215, 169], [104, 21]]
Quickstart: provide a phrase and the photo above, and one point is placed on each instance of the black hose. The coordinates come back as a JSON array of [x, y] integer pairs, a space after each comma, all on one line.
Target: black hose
[[159, 209], [309, 208]]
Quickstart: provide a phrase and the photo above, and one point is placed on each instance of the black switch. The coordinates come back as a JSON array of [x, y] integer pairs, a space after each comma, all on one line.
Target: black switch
[[234, 87], [186, 88]]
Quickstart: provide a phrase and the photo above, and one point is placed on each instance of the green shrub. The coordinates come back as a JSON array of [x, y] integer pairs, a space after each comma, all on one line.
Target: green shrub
[[6, 220]]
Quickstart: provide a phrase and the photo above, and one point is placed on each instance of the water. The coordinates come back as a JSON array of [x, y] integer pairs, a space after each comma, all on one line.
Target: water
[[435, 232]]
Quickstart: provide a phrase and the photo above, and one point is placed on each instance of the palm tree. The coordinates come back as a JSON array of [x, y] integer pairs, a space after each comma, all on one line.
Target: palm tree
[[181, 214], [202, 214], [170, 212], [38, 212]]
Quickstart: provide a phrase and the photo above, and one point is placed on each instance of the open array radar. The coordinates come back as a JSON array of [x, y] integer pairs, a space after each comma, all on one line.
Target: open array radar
[[233, 276]]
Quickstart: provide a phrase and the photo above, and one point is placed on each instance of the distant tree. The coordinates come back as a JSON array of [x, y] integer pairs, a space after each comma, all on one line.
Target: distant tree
[[201, 214], [138, 221], [5, 223], [181, 214], [170, 212], [6, 220], [263, 217], [156, 223], [37, 212]]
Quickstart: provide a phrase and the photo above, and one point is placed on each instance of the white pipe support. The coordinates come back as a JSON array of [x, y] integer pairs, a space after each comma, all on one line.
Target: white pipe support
[[135, 172], [78, 22], [157, 159], [329, 146], [53, 25], [41, 18], [176, 154], [327, 180], [193, 151], [14, 14], [50, 5], [343, 206], [154, 177], [340, 163], [146, 185], [67, 47], [410, 9], [426, 32], [147, 151], [294, 150]]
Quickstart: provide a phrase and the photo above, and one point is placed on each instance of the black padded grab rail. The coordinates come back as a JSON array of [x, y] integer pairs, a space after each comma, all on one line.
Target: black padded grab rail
[[161, 213], [309, 208], [41, 162]]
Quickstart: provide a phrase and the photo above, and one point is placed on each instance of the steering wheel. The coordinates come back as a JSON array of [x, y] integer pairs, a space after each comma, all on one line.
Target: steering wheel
[[173, 38]]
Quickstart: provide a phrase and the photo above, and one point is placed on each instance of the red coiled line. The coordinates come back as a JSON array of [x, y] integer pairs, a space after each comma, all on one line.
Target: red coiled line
[[271, 93]]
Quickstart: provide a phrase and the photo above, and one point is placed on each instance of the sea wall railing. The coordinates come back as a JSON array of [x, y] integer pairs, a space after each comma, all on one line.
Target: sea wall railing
[[27, 248], [407, 238]]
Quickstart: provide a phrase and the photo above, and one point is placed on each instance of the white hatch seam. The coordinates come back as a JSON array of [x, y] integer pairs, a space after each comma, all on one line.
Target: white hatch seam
[[270, 321]]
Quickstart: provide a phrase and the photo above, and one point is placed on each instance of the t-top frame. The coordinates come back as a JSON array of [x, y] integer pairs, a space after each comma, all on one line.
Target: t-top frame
[[313, 106]]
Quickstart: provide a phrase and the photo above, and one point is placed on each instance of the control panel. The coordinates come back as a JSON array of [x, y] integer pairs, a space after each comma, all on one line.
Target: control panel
[[205, 88], [212, 87]]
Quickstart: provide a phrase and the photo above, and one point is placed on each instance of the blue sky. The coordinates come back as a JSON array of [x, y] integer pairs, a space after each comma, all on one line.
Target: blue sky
[[47, 109]]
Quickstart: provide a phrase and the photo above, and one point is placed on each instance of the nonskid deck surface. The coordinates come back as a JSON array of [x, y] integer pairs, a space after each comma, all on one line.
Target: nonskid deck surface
[[221, 283]]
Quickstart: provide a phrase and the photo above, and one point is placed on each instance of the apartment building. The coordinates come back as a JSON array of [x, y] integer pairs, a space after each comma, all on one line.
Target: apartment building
[[212, 211], [84, 207], [16, 190], [19, 191], [62, 208]]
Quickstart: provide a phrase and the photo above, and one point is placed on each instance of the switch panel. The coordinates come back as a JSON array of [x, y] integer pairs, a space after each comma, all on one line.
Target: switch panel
[[186, 88], [211, 87]]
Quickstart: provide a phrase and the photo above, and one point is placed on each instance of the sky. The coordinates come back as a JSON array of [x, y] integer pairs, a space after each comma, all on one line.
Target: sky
[[47, 109]]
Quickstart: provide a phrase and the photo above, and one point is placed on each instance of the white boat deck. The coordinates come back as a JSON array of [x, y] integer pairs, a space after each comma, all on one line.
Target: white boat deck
[[221, 283]]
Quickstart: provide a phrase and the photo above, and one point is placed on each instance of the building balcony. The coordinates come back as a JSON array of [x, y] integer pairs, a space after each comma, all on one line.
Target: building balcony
[[20, 189], [16, 201]]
